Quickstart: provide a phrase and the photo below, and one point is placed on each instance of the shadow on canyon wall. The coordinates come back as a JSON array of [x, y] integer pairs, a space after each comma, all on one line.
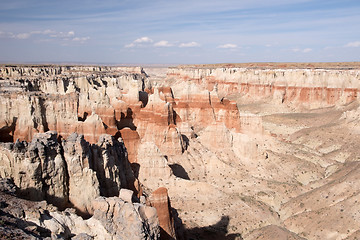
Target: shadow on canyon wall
[[144, 98], [185, 140], [82, 119], [179, 171], [135, 168], [126, 120], [7, 132]]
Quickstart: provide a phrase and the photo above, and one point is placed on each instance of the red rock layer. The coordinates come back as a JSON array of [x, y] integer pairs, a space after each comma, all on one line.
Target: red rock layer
[[131, 140], [206, 109], [299, 87], [159, 199], [93, 101], [326, 95]]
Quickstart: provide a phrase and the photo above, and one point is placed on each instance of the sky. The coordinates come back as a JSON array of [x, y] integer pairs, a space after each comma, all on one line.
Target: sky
[[179, 32]]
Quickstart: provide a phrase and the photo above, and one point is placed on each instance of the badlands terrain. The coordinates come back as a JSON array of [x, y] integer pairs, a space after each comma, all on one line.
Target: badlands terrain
[[226, 151]]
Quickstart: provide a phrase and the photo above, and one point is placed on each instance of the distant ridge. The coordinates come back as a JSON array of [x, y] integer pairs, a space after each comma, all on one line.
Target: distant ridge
[[283, 65], [251, 65]]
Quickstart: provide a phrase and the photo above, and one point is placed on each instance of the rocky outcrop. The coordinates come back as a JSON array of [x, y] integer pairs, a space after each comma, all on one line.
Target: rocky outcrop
[[159, 199], [67, 173], [124, 220], [80, 162], [74, 173], [38, 169], [113, 219], [112, 166]]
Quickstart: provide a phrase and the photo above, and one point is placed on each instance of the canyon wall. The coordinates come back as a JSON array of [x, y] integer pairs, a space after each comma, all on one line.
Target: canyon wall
[[229, 147], [309, 88], [96, 100]]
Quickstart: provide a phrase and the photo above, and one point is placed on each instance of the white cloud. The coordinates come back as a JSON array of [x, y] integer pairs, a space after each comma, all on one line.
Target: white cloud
[[190, 44], [6, 35], [63, 34], [47, 35], [163, 43], [143, 40], [228, 45], [353, 44], [80, 39], [45, 32], [130, 45], [305, 50], [22, 36], [15, 36], [139, 42]]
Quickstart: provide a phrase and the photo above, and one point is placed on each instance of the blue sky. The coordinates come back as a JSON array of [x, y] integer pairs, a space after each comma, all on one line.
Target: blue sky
[[172, 32]]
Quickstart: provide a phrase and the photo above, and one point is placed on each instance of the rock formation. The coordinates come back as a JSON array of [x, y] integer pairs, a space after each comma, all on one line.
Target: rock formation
[[159, 199], [310, 88], [112, 219], [67, 173], [37, 168], [80, 162], [256, 151]]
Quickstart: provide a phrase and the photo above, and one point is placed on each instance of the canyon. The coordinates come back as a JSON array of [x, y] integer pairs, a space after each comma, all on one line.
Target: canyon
[[230, 151]]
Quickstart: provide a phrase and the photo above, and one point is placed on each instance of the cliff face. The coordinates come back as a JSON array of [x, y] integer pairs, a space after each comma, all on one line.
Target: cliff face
[[46, 169], [98, 100], [309, 88], [66, 100]]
